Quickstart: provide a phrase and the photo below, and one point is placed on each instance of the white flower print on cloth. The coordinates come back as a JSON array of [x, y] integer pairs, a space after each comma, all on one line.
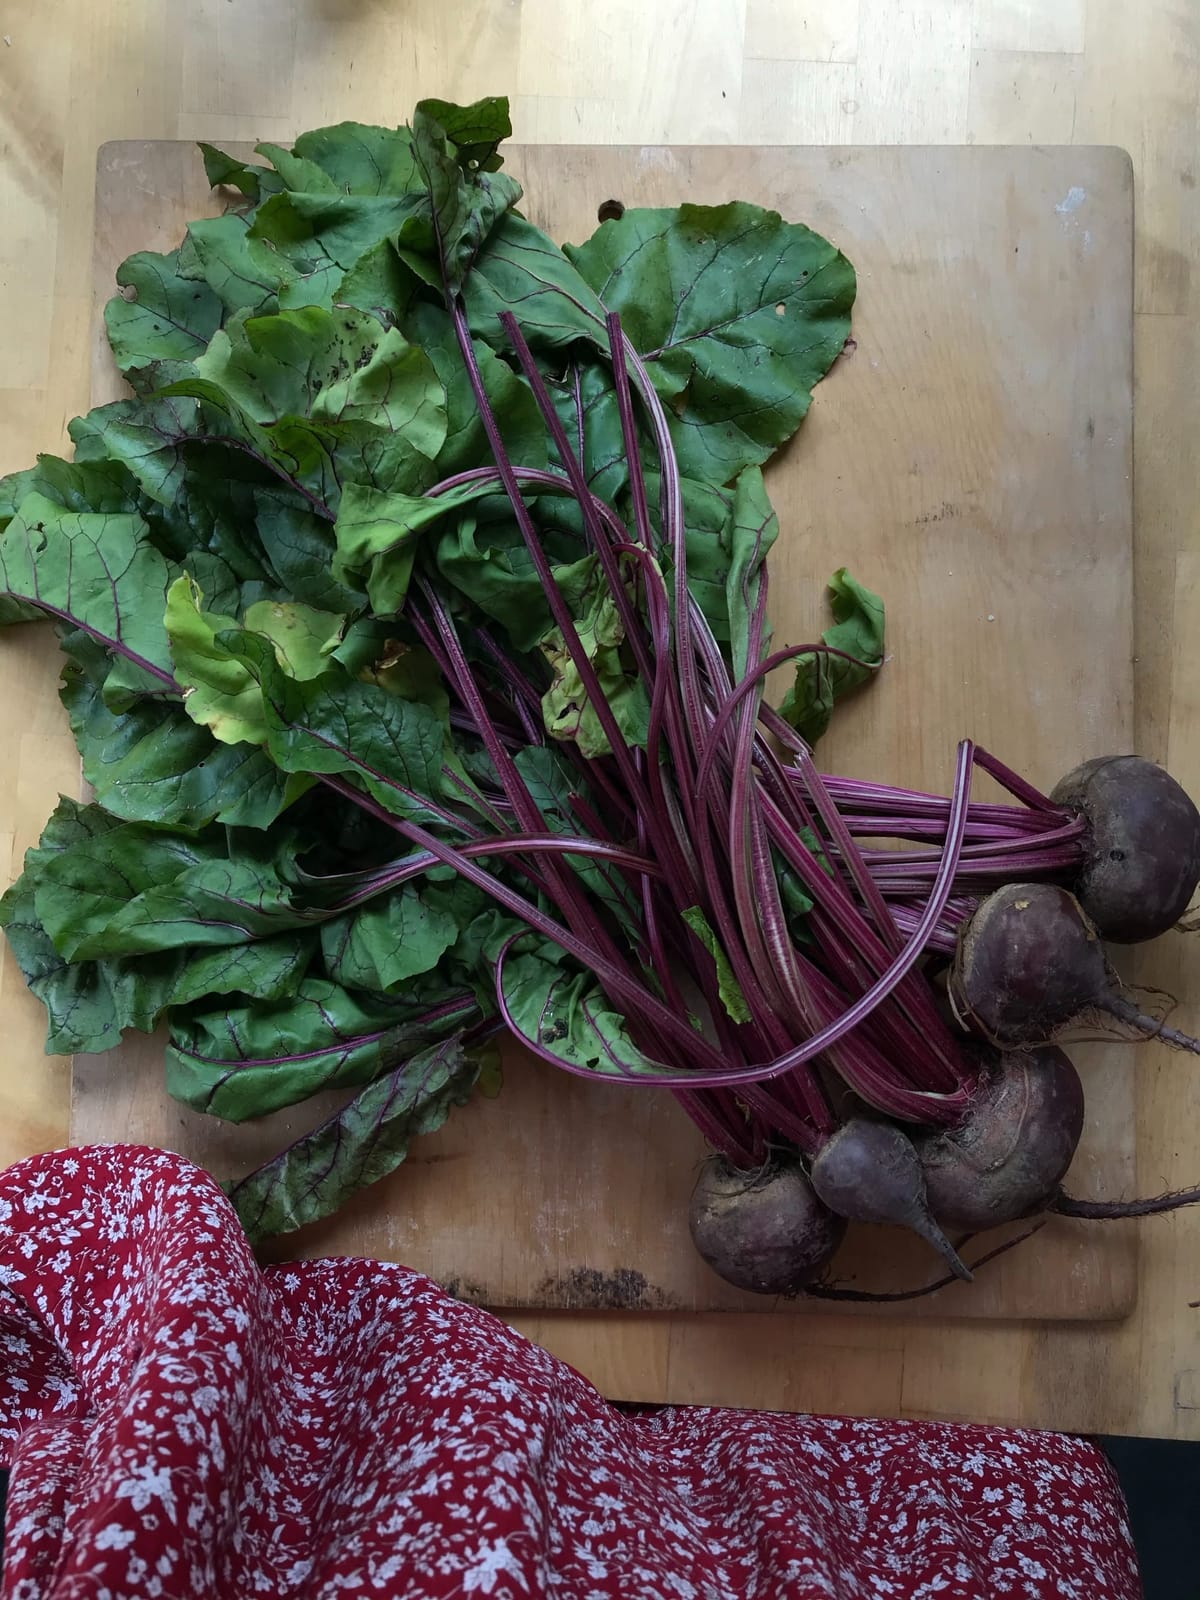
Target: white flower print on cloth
[[181, 1423]]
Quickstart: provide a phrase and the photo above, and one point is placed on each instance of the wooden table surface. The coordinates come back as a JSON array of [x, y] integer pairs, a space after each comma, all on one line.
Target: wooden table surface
[[74, 73]]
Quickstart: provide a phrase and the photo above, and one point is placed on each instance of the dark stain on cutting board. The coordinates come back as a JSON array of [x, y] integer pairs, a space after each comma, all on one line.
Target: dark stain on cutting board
[[590, 1289]]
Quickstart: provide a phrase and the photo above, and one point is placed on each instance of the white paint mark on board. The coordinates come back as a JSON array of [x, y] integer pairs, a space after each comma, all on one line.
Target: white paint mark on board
[[1072, 200]]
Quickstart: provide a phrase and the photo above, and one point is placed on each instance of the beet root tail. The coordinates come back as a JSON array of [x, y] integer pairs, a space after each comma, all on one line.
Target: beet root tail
[[837, 1291], [932, 1234], [1067, 1205], [1151, 1027]]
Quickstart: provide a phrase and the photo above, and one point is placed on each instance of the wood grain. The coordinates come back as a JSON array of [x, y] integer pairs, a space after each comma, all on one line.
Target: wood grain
[[996, 520], [77, 73]]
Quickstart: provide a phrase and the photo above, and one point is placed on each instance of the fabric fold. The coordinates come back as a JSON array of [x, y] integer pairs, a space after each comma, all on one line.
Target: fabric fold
[[180, 1422]]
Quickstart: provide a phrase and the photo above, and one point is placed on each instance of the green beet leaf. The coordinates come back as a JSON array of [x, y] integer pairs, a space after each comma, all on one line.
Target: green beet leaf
[[476, 131], [152, 763], [566, 1012], [386, 942], [552, 782], [377, 535], [212, 523], [267, 969], [244, 1061], [822, 680], [323, 236], [586, 397], [92, 486], [463, 202], [729, 989], [362, 1143], [304, 638], [393, 748], [299, 547], [708, 521], [520, 269], [737, 313], [362, 159], [243, 273], [297, 171], [220, 693], [147, 437], [753, 529], [490, 564], [381, 284], [517, 414], [95, 571], [163, 316], [89, 1003], [130, 888], [335, 367], [226, 171], [730, 531], [318, 399]]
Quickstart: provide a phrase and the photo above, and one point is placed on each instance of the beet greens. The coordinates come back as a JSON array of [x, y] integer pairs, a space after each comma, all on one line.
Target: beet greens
[[415, 611]]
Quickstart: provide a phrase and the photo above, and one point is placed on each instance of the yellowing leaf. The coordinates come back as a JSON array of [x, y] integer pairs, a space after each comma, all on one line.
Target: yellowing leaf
[[568, 710], [220, 692], [302, 636]]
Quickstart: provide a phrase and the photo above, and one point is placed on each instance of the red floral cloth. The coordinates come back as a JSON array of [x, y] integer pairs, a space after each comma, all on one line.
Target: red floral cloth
[[181, 1423]]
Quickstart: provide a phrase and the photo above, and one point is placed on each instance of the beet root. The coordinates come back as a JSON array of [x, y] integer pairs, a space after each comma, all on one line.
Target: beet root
[[1028, 962], [1008, 1155], [1143, 861], [765, 1231], [870, 1172]]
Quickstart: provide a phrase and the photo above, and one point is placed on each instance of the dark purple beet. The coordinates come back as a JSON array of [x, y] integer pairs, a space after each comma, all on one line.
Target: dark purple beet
[[1028, 962], [1008, 1155], [765, 1231], [1143, 847], [869, 1172]]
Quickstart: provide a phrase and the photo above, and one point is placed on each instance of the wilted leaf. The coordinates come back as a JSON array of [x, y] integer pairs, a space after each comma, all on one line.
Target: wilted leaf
[[442, 238], [476, 130], [729, 989], [822, 680], [365, 1141], [567, 707]]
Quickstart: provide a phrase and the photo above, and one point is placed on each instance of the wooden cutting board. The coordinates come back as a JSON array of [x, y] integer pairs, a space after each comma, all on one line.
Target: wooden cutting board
[[969, 457]]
